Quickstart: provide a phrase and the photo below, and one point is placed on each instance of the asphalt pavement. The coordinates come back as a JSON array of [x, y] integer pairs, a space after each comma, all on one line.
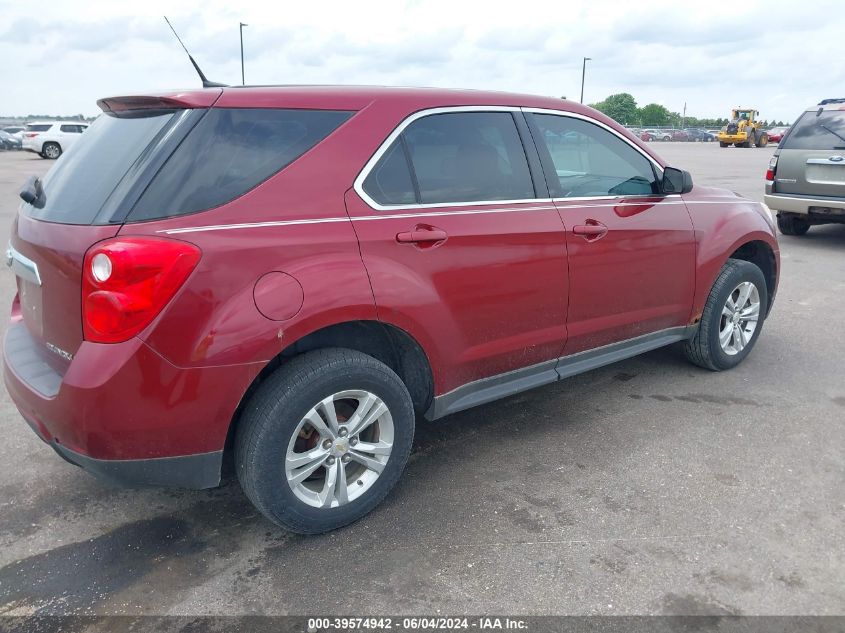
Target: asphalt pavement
[[646, 487]]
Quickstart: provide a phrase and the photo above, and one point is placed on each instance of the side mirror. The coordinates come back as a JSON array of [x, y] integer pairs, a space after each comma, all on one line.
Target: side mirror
[[676, 181], [32, 192]]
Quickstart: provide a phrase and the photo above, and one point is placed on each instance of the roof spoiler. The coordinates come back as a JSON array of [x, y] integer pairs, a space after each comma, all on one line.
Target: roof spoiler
[[829, 101], [181, 101]]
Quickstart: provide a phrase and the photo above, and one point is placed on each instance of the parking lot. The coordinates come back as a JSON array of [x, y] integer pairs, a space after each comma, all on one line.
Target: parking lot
[[646, 487]]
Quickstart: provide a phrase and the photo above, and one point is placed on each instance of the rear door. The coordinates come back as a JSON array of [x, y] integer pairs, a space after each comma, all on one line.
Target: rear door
[[81, 205], [811, 159], [464, 250], [631, 249]]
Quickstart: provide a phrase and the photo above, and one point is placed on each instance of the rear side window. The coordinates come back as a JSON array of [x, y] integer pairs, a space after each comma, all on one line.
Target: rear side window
[[81, 181], [390, 182], [229, 152], [468, 157], [39, 127], [587, 160], [823, 130], [73, 129]]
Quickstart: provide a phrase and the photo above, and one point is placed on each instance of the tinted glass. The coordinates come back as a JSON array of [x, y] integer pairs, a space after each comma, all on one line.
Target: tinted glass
[[468, 157], [390, 182], [587, 160], [229, 152], [822, 131], [81, 181], [41, 127]]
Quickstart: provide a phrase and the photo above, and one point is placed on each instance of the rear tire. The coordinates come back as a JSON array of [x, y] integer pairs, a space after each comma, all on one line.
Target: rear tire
[[51, 150], [720, 342], [723, 144], [276, 443], [763, 140], [792, 224]]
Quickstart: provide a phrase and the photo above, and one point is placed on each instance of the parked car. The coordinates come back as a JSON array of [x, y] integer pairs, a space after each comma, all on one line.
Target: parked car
[[659, 135], [9, 141], [776, 134], [680, 135], [15, 130], [805, 181], [290, 274], [646, 135], [697, 134], [713, 133], [49, 139]]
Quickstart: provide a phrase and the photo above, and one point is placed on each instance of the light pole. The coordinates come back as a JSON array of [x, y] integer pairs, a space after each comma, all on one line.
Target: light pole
[[584, 72], [243, 82]]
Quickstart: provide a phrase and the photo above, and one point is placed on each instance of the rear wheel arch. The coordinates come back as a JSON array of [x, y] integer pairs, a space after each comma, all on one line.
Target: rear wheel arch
[[386, 343]]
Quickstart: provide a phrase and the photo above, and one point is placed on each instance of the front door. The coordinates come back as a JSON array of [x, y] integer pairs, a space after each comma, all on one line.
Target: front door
[[462, 251], [631, 250]]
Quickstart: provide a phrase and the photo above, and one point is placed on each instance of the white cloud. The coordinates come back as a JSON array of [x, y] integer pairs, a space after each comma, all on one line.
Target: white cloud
[[777, 56]]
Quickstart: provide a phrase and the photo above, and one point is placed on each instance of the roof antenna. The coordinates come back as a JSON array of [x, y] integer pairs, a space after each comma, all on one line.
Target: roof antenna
[[205, 82]]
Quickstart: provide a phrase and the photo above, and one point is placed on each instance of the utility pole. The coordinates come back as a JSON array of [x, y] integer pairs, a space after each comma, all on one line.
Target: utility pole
[[684, 118], [584, 72], [243, 81]]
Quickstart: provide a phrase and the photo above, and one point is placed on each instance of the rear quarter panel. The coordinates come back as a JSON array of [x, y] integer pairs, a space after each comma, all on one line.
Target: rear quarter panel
[[723, 222]]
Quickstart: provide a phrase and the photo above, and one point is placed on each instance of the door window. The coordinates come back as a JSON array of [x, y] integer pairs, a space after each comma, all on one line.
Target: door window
[[583, 159], [458, 157], [390, 182]]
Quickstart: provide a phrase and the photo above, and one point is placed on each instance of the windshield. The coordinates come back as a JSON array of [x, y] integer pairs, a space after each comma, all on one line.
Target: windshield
[[81, 181], [820, 130]]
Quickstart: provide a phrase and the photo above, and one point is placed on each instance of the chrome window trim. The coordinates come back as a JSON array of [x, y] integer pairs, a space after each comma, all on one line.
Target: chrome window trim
[[358, 185], [370, 164]]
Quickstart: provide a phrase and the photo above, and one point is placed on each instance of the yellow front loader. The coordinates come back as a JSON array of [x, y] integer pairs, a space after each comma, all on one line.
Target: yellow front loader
[[744, 130]]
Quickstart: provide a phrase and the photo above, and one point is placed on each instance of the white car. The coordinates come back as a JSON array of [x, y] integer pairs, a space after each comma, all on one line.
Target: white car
[[50, 138]]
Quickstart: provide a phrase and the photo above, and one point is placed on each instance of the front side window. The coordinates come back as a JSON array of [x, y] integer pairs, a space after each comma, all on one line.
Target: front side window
[[586, 160]]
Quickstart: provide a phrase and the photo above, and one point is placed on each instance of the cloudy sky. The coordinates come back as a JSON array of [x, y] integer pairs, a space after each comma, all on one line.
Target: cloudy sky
[[778, 55]]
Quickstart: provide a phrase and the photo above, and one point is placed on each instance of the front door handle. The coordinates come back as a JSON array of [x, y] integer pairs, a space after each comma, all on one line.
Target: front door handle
[[419, 235], [591, 231]]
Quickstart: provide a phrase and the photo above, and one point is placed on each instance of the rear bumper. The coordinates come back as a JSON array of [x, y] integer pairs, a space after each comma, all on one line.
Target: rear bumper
[[187, 471], [805, 205], [123, 412]]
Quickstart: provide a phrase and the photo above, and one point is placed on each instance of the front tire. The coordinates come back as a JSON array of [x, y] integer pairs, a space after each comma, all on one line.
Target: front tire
[[324, 439], [791, 224], [732, 318], [51, 150]]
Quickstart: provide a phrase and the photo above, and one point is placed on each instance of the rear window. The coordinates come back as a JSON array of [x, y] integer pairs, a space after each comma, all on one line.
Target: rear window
[[39, 127], [229, 152], [823, 130], [81, 181]]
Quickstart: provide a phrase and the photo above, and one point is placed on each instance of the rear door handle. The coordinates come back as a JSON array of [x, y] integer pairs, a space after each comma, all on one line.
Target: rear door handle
[[592, 231], [421, 235]]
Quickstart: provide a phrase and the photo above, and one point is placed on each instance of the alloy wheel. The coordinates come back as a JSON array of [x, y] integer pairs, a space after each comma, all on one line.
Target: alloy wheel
[[739, 319], [339, 449]]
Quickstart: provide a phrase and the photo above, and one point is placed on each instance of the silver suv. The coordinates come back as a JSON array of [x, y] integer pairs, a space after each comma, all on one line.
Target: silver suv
[[805, 182]]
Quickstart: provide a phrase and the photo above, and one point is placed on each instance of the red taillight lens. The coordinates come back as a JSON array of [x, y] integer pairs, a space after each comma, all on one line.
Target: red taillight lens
[[770, 172], [126, 281], [31, 134]]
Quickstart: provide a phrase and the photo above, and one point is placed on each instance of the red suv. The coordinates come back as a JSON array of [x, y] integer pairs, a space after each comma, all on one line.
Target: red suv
[[292, 273]]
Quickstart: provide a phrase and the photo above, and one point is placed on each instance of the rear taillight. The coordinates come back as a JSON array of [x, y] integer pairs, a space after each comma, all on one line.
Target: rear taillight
[[128, 280], [31, 134], [770, 172]]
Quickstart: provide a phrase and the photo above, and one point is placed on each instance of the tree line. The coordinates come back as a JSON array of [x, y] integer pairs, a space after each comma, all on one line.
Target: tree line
[[623, 109]]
